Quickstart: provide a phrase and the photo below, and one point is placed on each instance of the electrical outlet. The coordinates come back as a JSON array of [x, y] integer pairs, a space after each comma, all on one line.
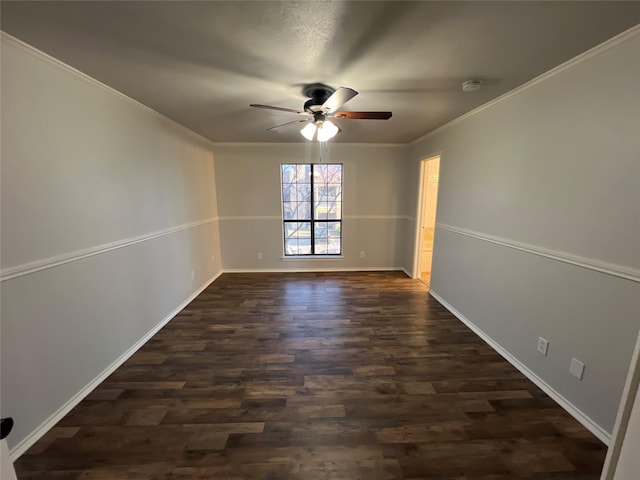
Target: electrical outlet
[[577, 368], [543, 346], [362, 254], [193, 274], [213, 259], [259, 255]]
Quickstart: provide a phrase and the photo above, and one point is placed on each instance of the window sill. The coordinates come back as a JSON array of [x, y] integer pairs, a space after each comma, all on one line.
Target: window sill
[[289, 258]]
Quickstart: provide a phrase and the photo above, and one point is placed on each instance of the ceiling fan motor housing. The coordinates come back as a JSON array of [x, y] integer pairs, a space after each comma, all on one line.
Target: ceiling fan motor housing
[[318, 94]]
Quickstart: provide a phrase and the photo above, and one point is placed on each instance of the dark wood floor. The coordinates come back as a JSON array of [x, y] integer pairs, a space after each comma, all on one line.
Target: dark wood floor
[[315, 376]]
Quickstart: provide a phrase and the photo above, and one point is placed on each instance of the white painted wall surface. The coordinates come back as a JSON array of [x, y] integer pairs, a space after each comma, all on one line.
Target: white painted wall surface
[[556, 167], [107, 208], [374, 206]]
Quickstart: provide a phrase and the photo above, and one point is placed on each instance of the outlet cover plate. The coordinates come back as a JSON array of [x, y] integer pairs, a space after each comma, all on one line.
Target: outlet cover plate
[[577, 368], [543, 346]]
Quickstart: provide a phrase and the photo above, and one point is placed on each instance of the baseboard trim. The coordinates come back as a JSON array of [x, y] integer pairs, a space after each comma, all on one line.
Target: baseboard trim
[[344, 217], [38, 433], [575, 412], [311, 270]]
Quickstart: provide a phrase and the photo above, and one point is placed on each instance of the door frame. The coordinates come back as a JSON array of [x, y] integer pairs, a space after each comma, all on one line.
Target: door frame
[[422, 193]]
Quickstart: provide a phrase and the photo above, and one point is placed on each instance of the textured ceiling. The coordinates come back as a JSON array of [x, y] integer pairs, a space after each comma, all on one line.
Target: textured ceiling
[[202, 63]]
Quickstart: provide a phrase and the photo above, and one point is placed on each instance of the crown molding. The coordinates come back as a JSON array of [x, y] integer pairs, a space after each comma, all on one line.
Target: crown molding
[[96, 83], [298, 144], [602, 47]]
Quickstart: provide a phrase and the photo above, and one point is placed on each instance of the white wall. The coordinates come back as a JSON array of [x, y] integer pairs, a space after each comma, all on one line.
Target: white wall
[[374, 207], [539, 224], [107, 208]]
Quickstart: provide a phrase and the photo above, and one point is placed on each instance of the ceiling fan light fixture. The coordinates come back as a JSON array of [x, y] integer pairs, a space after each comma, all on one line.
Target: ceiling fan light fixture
[[309, 131], [327, 130]]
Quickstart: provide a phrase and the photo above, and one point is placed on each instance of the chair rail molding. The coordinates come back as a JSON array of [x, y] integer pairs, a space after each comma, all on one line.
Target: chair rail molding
[[613, 269], [38, 265]]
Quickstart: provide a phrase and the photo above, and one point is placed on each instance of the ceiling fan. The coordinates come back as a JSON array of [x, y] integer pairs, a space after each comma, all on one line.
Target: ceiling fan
[[323, 104]]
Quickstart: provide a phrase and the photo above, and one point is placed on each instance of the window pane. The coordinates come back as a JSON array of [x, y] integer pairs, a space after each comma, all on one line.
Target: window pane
[[303, 192], [327, 192], [322, 248], [296, 211], [334, 210], [291, 246], [333, 248], [303, 174], [334, 234], [286, 173], [320, 193], [320, 211], [321, 240], [290, 230], [304, 211], [304, 246], [319, 172], [299, 212], [334, 174], [327, 173], [297, 246], [297, 230], [304, 230], [292, 173], [320, 230], [289, 210], [288, 192]]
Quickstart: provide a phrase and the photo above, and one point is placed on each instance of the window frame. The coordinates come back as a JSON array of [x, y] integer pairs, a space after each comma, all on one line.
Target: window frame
[[311, 220]]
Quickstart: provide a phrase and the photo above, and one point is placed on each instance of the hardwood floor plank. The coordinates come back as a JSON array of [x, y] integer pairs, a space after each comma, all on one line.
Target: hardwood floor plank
[[315, 376]]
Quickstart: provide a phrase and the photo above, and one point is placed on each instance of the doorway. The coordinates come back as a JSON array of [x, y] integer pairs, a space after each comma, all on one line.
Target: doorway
[[429, 177]]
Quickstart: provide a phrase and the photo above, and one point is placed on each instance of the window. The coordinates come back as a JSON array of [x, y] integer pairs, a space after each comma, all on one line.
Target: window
[[312, 208]]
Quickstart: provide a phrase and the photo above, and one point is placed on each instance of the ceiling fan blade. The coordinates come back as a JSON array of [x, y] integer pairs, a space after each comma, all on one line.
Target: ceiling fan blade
[[338, 98], [289, 123], [280, 109], [362, 115]]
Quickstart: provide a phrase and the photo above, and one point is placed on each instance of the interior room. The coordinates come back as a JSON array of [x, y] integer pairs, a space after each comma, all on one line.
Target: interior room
[[487, 308]]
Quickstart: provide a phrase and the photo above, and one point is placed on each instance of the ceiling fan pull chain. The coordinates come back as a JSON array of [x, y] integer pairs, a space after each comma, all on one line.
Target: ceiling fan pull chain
[[326, 149]]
